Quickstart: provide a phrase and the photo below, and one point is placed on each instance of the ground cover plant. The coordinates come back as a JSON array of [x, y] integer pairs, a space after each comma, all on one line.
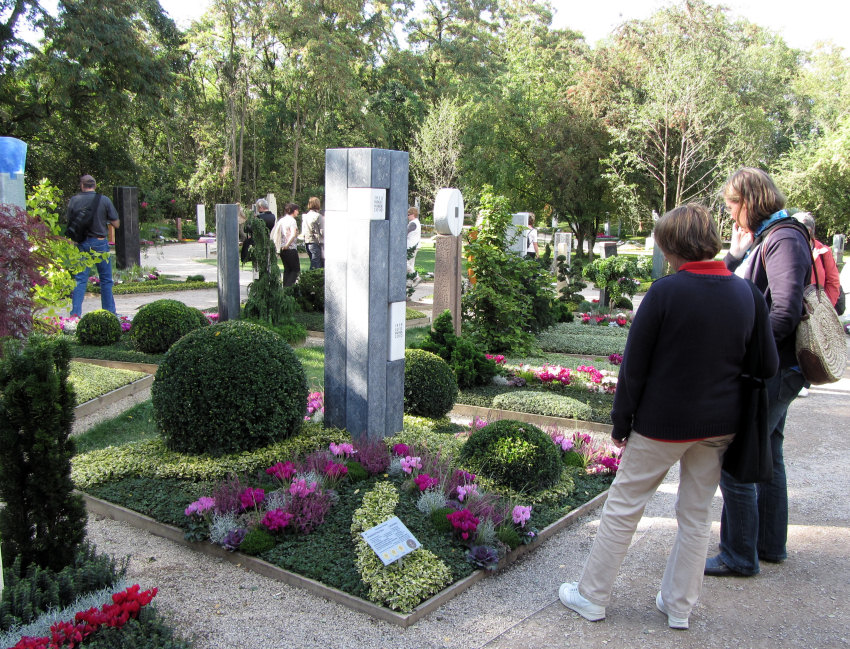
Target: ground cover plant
[[301, 502], [91, 381], [583, 338]]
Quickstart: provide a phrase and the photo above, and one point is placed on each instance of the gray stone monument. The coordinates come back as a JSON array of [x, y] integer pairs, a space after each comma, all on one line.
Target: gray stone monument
[[127, 247], [227, 240], [838, 247], [272, 203], [365, 297], [13, 157], [448, 222], [201, 211], [658, 262], [562, 244], [518, 233]]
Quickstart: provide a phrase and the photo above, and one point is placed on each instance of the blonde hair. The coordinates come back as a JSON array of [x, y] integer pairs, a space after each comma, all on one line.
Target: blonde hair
[[314, 203], [689, 232], [756, 190]]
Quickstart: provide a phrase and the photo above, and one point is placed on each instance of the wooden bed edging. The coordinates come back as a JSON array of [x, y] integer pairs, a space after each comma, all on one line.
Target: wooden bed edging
[[93, 405], [495, 414], [148, 524]]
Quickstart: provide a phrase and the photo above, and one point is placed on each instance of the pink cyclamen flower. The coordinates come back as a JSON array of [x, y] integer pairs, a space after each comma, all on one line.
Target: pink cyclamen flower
[[251, 497], [200, 506], [281, 470], [466, 490], [408, 463], [521, 514], [401, 449], [463, 522], [334, 470], [344, 449], [301, 488], [424, 481], [276, 519]]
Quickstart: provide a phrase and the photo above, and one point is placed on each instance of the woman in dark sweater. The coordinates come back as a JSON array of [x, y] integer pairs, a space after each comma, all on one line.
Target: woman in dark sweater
[[678, 399], [772, 250]]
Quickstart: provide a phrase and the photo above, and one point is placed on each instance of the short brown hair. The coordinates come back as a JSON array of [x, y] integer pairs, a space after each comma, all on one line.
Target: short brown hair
[[314, 203], [756, 190], [689, 232], [290, 208], [87, 181]]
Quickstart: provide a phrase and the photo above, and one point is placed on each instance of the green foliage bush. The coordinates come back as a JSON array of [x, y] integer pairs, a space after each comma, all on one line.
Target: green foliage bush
[[543, 403], [577, 338], [309, 290], [257, 541], [619, 275], [508, 535], [513, 453], [623, 303], [229, 387], [158, 325], [268, 301], [29, 592], [430, 387], [356, 471], [99, 328], [91, 381], [470, 365], [440, 520], [43, 520], [195, 278], [148, 631]]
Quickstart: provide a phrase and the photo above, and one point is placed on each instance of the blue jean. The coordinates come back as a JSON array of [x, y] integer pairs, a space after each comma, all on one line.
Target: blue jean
[[104, 272], [754, 522], [315, 252]]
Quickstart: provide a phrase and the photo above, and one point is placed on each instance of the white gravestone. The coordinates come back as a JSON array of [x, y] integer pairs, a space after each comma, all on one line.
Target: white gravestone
[[448, 212], [202, 219]]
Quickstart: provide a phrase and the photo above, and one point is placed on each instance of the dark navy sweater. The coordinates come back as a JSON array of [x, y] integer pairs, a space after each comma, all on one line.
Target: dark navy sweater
[[680, 376]]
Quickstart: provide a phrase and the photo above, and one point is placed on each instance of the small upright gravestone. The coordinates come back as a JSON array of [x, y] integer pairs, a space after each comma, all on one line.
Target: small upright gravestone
[[448, 222], [518, 233], [202, 219], [127, 248], [227, 241], [365, 293], [838, 248]]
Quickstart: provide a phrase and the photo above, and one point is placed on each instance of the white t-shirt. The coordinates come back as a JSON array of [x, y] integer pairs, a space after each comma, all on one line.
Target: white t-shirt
[[532, 239], [414, 233], [284, 228]]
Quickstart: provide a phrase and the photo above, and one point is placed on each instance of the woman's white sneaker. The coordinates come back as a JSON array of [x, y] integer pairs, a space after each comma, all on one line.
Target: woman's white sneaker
[[572, 599], [672, 621]]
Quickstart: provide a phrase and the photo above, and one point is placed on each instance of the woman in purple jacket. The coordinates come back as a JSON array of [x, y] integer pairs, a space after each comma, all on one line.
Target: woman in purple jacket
[[678, 399], [772, 250]]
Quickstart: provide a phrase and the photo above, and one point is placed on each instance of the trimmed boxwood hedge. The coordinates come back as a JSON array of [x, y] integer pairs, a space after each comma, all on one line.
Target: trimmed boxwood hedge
[[233, 386], [513, 453], [161, 323], [430, 386], [543, 403], [99, 328], [576, 338]]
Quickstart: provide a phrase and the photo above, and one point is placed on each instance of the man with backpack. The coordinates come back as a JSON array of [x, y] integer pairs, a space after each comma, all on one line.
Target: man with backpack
[[87, 215]]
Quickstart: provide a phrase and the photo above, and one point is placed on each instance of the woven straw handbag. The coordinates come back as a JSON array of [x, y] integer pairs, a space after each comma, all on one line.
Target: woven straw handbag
[[821, 347]]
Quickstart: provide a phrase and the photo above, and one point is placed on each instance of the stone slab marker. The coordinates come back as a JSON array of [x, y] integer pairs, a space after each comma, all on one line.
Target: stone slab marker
[[127, 248], [838, 247], [448, 222], [201, 211], [365, 264], [227, 242], [519, 229]]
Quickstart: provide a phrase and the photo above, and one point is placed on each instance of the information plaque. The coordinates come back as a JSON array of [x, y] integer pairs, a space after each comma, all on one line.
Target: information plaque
[[391, 540]]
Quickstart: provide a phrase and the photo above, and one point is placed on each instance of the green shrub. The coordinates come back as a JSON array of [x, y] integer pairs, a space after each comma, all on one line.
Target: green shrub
[[440, 520], [257, 541], [356, 471], [91, 381], [158, 325], [430, 387], [195, 278], [29, 592], [571, 458], [228, 387], [309, 290], [470, 365], [588, 339], [508, 535], [513, 453], [99, 328], [148, 631], [43, 520], [623, 303], [542, 403]]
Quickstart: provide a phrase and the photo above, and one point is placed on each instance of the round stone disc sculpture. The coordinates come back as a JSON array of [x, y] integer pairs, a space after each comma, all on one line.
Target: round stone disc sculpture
[[448, 212]]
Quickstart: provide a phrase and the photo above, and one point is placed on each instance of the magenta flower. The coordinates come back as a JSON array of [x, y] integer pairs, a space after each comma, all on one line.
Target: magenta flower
[[408, 463], [466, 490], [463, 522], [334, 470], [301, 489], [276, 519], [344, 449], [401, 449], [521, 514], [200, 506], [251, 497], [424, 481], [615, 358], [282, 471]]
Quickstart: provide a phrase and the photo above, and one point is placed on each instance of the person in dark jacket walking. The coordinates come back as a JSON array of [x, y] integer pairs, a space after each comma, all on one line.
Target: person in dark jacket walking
[[678, 399], [772, 250]]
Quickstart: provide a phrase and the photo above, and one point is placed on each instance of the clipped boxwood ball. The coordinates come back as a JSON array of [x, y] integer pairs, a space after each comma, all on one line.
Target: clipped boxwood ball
[[233, 386], [161, 323], [430, 387], [99, 327], [513, 453]]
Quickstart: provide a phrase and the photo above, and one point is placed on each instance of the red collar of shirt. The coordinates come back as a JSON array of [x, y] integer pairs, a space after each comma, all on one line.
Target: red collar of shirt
[[705, 268]]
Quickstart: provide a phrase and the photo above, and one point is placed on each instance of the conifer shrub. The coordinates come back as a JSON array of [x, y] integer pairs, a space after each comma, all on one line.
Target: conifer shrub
[[232, 386], [440, 519], [43, 521], [161, 323], [309, 290], [513, 453], [99, 328], [430, 387], [268, 301]]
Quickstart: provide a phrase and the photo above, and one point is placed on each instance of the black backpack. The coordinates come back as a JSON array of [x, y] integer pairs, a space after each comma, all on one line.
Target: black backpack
[[79, 223]]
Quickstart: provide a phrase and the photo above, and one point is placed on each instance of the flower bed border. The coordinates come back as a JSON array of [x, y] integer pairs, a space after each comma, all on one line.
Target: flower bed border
[[118, 394], [542, 421], [116, 512]]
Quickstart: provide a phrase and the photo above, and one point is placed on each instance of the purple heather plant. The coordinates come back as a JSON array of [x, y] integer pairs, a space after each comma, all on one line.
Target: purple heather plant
[[373, 455], [227, 494], [308, 511], [252, 497]]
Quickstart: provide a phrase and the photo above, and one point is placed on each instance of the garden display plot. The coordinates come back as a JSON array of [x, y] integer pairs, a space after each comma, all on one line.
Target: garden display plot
[[100, 383], [275, 500]]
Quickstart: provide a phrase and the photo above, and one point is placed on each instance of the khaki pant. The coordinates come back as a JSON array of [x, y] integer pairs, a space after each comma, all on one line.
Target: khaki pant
[[644, 464]]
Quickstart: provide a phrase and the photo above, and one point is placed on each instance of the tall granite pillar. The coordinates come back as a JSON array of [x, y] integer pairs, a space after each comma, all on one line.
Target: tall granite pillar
[[227, 244], [365, 262], [448, 222], [127, 248]]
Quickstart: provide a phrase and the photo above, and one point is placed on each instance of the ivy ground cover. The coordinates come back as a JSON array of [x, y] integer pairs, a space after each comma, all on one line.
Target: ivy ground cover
[[300, 504]]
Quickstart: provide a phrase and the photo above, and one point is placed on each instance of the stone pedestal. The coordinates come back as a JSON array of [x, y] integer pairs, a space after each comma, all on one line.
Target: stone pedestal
[[179, 229], [447, 275], [227, 242], [365, 263], [127, 245]]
